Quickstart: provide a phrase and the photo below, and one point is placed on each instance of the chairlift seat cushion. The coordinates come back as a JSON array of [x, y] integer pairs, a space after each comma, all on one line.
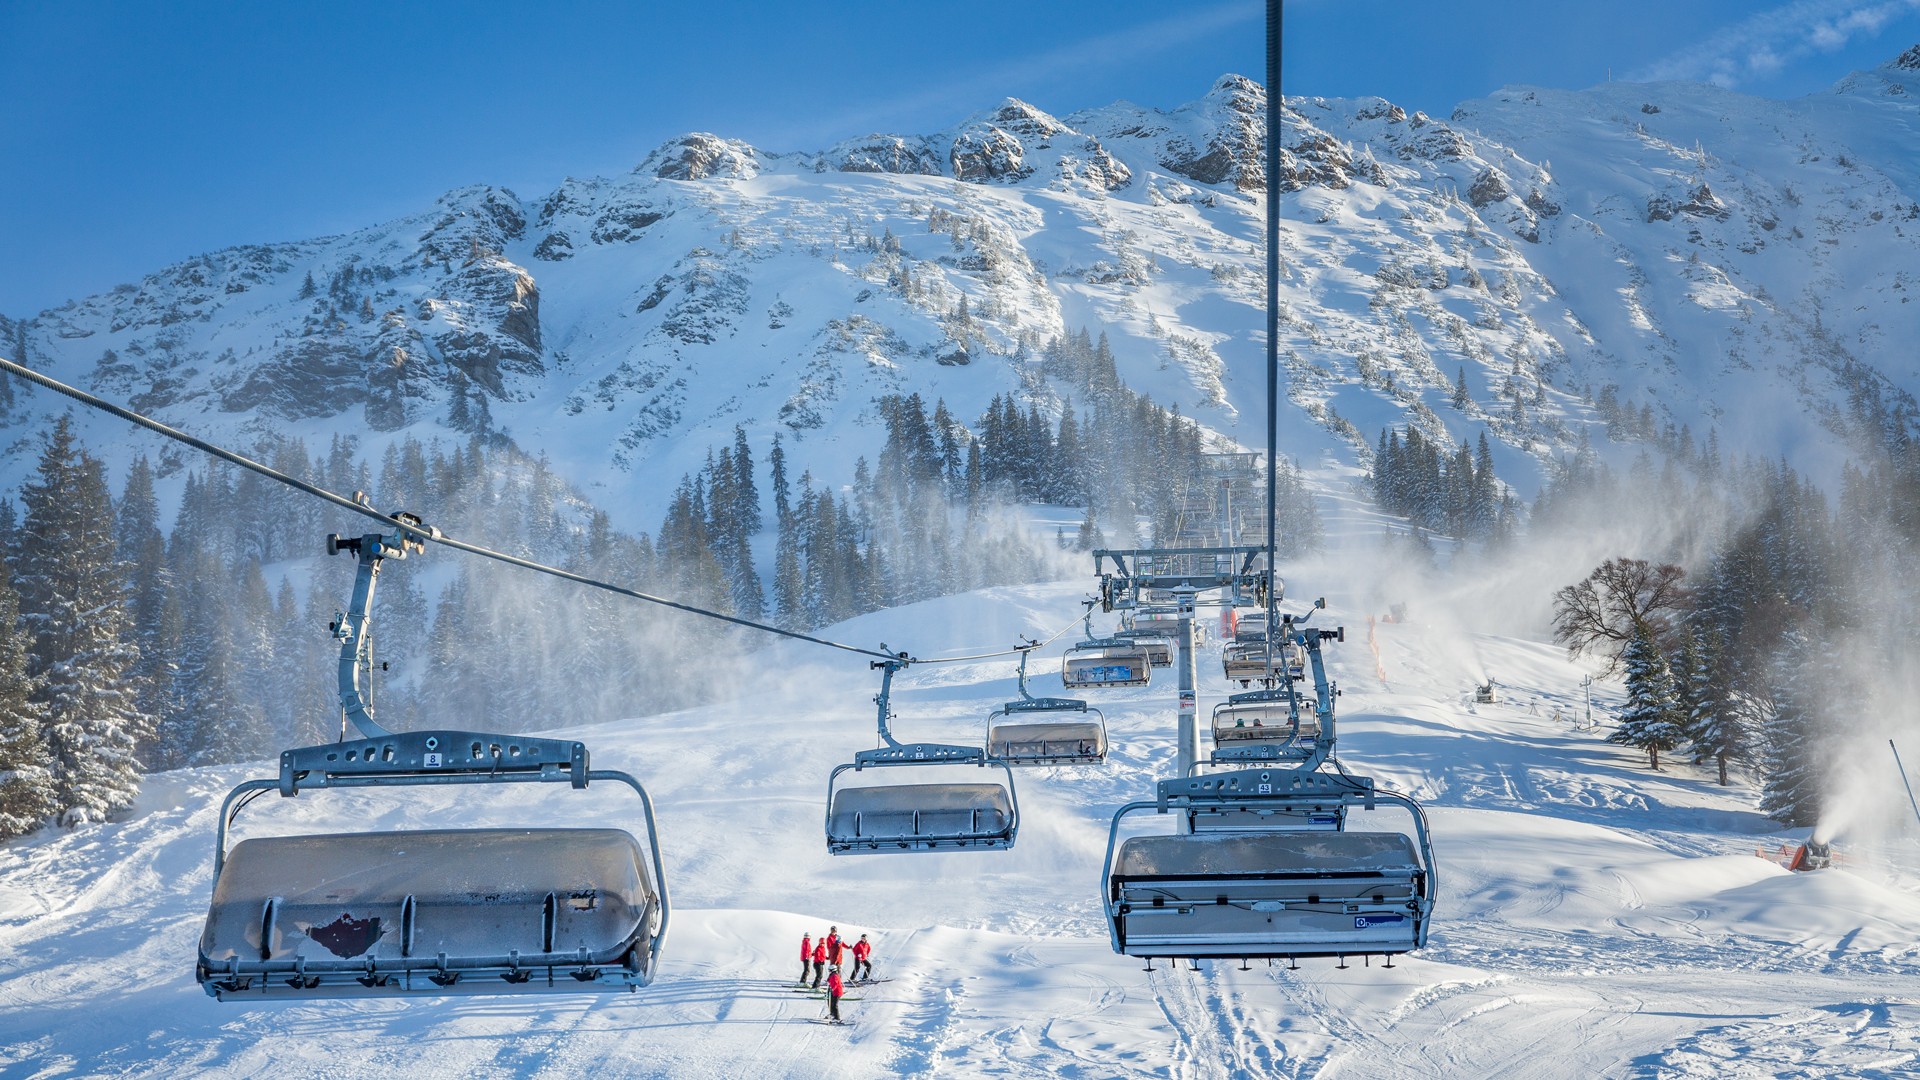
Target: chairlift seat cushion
[[920, 815], [1280, 854], [479, 896], [1083, 740]]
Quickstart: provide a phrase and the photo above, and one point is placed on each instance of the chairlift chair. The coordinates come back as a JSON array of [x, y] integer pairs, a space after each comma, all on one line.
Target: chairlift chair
[[431, 911], [1280, 723], [1268, 892], [876, 818], [1246, 662], [1164, 621], [1264, 725], [1158, 645], [1039, 731], [1105, 661]]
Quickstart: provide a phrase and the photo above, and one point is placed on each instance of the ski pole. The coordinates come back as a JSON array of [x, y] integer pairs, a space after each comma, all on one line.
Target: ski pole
[[1903, 778]]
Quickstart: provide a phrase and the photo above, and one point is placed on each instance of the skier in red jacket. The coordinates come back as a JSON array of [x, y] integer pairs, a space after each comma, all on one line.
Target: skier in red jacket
[[835, 988], [861, 951], [834, 945], [806, 955], [819, 961]]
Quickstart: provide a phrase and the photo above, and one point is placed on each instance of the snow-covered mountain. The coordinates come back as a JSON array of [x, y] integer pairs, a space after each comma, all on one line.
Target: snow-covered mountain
[[1739, 265]]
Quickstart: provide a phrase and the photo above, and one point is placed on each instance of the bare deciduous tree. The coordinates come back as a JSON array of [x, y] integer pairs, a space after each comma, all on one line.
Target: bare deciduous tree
[[1598, 615]]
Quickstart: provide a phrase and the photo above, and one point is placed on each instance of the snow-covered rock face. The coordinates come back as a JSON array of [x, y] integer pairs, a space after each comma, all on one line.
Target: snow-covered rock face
[[984, 152], [884, 154], [698, 156], [1721, 262], [1220, 139], [1003, 145]]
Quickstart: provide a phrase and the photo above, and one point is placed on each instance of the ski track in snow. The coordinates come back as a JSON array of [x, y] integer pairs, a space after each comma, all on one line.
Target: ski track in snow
[[1595, 918]]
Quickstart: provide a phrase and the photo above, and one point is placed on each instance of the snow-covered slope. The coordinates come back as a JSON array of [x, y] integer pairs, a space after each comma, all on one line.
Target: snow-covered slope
[[1737, 264], [1595, 919]]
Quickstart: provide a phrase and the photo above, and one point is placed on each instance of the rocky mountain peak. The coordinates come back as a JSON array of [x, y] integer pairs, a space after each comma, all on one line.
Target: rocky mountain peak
[[1024, 120], [1239, 93], [699, 155], [1907, 61], [1000, 146]]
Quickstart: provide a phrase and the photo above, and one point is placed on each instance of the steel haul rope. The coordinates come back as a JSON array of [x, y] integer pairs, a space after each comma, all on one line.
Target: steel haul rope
[[425, 533], [432, 535]]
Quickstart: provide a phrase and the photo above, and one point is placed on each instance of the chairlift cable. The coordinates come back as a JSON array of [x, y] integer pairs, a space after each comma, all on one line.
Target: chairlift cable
[[424, 533], [1015, 651]]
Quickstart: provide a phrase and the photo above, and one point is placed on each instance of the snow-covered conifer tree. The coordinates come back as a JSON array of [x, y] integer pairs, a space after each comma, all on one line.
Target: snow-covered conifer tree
[[1793, 751], [1089, 536], [73, 602], [1717, 723], [144, 549], [1651, 719], [26, 770]]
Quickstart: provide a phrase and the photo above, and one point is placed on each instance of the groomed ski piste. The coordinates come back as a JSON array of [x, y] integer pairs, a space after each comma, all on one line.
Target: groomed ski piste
[[1594, 918]]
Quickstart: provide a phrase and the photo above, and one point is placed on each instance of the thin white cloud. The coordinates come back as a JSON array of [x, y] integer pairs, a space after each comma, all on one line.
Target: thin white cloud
[[984, 86], [1762, 44]]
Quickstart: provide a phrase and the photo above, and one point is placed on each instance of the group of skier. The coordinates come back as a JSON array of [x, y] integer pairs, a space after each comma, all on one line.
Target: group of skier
[[823, 956]]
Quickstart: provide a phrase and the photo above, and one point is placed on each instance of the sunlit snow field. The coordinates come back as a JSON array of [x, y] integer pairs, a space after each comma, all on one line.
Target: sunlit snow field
[[1594, 918]]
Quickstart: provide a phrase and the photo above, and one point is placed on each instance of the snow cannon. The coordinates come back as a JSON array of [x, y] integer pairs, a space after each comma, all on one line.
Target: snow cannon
[[1813, 855], [1486, 693]]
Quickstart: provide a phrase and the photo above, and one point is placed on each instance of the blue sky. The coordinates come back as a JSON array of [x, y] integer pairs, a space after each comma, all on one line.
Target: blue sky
[[134, 135]]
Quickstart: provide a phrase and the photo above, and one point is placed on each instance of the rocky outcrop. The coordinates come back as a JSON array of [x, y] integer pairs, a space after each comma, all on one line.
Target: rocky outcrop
[[883, 154], [984, 153], [1233, 115], [317, 376], [1429, 139], [554, 247], [493, 330], [1700, 203], [700, 156], [1003, 145], [1221, 140], [622, 222], [1317, 158], [1489, 187], [470, 222]]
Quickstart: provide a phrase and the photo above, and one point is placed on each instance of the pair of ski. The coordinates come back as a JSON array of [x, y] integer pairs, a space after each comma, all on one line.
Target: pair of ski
[[821, 995]]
